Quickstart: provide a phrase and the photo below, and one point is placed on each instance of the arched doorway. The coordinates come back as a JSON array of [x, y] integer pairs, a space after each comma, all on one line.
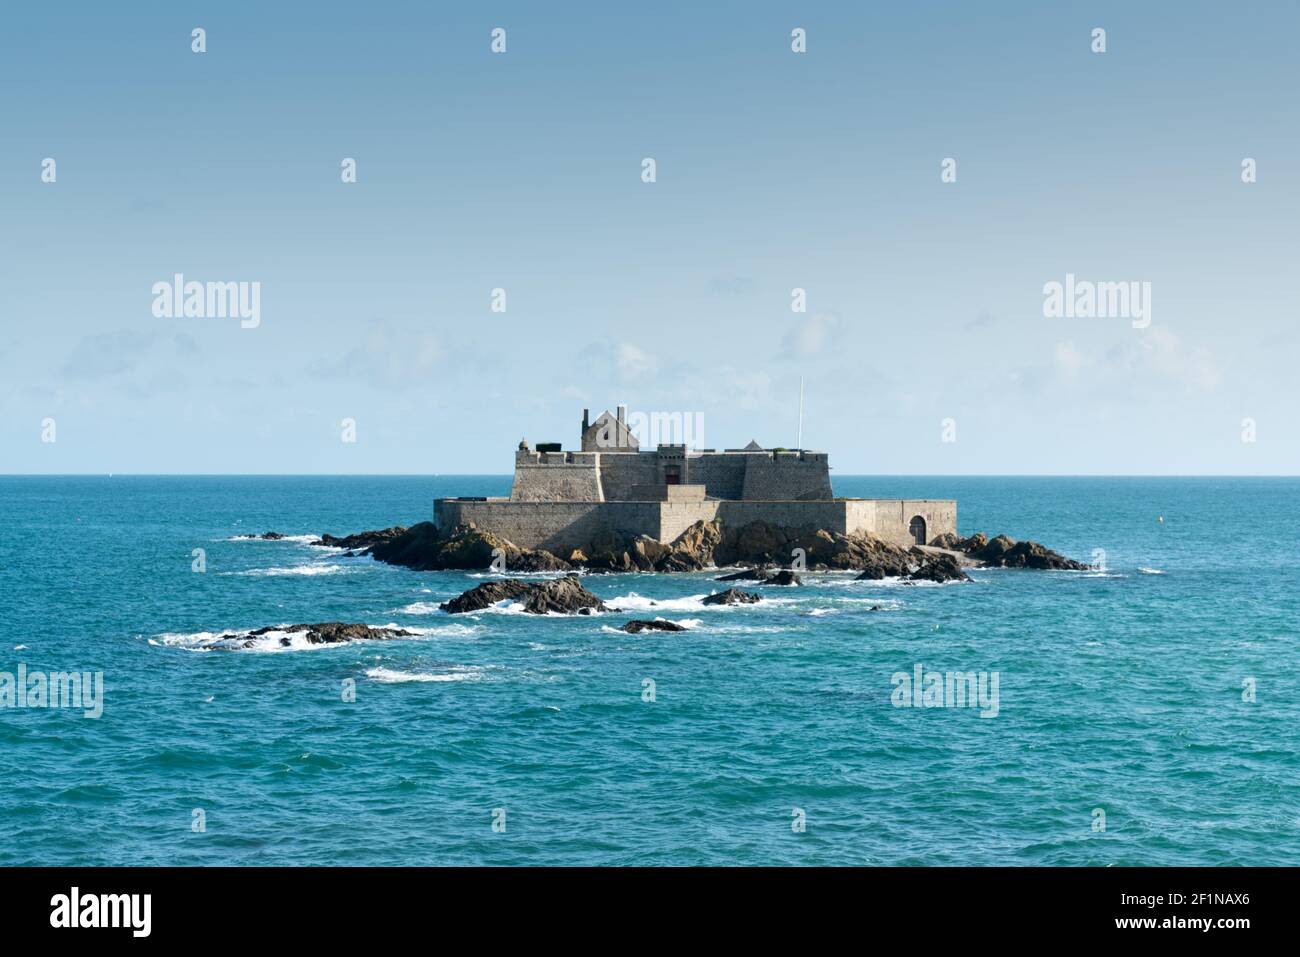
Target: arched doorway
[[916, 528]]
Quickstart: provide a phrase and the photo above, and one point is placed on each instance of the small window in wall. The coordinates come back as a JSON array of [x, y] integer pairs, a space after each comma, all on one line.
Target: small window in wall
[[672, 475], [917, 529]]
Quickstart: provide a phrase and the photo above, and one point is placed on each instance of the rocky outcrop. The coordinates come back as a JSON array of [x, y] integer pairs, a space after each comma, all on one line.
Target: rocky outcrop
[[732, 596], [769, 548], [784, 577], [763, 576], [423, 548], [746, 575], [361, 539], [266, 536], [1006, 552], [560, 596], [939, 568], [913, 564], [645, 624], [322, 633], [693, 549]]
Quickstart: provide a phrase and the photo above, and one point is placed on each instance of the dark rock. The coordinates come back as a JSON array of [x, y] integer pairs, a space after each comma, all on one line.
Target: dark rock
[[764, 576], [1025, 555], [1005, 552], [877, 564], [534, 560], [693, 549], [939, 568], [564, 596], [643, 624], [486, 595], [746, 575], [423, 547], [732, 596], [322, 633], [784, 577], [362, 539]]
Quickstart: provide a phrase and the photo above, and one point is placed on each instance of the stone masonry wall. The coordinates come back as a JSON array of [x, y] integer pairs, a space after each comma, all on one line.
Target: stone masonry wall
[[560, 527], [612, 476], [556, 476], [787, 475]]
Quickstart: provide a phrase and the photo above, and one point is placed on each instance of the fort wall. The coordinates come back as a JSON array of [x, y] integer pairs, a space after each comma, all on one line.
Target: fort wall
[[560, 527], [557, 476], [770, 475]]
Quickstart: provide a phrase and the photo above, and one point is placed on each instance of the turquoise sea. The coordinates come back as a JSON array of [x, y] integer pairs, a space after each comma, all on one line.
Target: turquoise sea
[[1120, 690]]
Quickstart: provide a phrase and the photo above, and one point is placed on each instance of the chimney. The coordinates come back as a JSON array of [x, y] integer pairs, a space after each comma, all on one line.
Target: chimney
[[620, 413], [584, 419]]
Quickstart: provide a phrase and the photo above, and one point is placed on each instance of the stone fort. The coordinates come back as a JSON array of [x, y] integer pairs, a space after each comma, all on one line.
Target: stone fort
[[563, 500]]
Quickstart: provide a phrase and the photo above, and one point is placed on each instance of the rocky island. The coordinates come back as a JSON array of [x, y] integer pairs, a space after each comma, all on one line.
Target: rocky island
[[611, 507]]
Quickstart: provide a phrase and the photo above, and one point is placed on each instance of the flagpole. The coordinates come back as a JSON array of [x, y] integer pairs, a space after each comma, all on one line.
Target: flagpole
[[800, 445]]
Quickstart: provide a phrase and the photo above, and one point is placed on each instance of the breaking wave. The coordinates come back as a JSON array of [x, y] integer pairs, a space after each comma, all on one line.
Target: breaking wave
[[234, 639], [291, 570], [456, 673], [635, 602]]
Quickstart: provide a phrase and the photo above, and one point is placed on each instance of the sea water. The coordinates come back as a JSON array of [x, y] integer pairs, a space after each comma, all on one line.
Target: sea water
[[1148, 712]]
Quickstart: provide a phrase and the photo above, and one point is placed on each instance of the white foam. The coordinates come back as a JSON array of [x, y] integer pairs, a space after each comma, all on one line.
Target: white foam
[[1150, 571], [501, 576], [419, 608], [301, 539], [731, 628], [687, 623], [233, 640], [458, 673], [20, 647], [456, 630], [292, 570], [635, 602]]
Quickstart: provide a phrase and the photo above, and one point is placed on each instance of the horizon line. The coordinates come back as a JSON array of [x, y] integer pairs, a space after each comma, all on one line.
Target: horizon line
[[510, 475]]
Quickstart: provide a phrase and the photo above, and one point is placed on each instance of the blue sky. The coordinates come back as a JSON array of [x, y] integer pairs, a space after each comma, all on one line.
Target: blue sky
[[775, 170]]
